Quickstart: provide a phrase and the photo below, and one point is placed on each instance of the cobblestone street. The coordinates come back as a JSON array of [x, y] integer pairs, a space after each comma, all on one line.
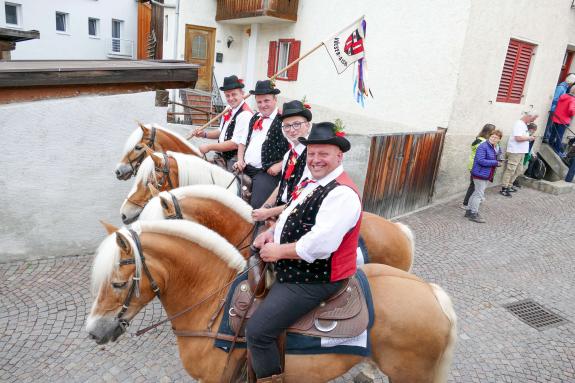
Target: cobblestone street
[[524, 251]]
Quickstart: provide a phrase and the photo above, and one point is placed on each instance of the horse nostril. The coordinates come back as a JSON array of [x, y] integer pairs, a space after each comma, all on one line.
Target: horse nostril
[[118, 172], [93, 337], [123, 217]]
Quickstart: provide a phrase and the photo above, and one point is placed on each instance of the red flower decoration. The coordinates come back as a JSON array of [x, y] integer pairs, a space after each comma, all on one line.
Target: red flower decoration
[[340, 134], [241, 81], [307, 106]]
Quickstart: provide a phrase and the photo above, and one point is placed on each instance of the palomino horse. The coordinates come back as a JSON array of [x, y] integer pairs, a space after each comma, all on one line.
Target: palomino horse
[[155, 137], [412, 337], [212, 206], [166, 171]]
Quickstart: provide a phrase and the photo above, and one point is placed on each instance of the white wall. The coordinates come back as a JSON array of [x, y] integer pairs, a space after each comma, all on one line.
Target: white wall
[[59, 179], [413, 51], [203, 13], [75, 44]]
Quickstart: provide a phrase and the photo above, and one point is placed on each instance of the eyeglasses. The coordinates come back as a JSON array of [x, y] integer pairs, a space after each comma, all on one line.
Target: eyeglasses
[[295, 126]]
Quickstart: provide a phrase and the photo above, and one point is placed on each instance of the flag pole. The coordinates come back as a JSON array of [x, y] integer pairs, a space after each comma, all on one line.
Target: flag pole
[[316, 47]]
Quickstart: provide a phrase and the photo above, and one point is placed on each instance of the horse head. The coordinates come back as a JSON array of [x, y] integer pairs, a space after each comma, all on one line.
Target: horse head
[[120, 289], [135, 151], [159, 171]]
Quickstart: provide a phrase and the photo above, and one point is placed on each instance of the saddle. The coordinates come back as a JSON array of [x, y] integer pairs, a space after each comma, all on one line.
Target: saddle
[[344, 315]]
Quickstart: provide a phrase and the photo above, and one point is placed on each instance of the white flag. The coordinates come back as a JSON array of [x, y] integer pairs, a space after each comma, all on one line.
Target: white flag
[[347, 47]]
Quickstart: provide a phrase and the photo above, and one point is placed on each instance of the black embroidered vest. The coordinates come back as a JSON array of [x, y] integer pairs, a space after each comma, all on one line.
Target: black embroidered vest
[[230, 132], [299, 222], [275, 144], [294, 178]]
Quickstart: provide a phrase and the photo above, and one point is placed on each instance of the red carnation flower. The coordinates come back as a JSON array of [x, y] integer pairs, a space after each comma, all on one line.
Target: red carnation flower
[[307, 106], [340, 134]]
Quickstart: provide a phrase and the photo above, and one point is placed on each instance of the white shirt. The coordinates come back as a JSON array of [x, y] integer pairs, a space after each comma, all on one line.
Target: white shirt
[[253, 154], [242, 125], [338, 213], [513, 146], [306, 174]]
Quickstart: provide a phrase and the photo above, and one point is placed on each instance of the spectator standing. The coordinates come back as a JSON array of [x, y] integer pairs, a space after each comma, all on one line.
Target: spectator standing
[[481, 137], [517, 147], [483, 172], [561, 89], [561, 119]]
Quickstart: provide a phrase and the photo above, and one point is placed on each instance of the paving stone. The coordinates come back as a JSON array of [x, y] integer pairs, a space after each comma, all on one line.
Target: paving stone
[[525, 250]]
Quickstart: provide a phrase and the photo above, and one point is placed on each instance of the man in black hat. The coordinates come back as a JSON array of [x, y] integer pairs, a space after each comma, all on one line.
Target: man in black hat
[[296, 117], [313, 245], [261, 154], [233, 125]]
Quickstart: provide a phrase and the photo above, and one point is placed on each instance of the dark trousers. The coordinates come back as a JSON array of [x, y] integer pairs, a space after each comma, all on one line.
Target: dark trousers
[[470, 190], [262, 185], [283, 306], [556, 137], [571, 172], [547, 133]]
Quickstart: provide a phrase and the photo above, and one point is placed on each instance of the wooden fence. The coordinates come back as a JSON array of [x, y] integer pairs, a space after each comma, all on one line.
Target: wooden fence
[[401, 172]]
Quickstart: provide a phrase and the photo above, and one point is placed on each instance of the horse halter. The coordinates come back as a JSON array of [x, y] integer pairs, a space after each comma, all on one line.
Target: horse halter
[[165, 173], [138, 160], [177, 209], [135, 280]]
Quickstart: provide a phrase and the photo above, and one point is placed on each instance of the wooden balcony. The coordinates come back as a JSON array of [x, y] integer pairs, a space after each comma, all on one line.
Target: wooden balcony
[[256, 11]]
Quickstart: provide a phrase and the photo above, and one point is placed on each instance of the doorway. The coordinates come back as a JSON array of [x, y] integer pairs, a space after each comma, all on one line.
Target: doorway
[[200, 42]]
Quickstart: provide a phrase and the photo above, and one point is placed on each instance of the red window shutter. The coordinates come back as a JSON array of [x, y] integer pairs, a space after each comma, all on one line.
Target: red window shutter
[[293, 55], [272, 58], [515, 70]]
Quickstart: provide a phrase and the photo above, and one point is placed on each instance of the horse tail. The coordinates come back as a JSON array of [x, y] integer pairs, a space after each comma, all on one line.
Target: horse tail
[[444, 300], [411, 239]]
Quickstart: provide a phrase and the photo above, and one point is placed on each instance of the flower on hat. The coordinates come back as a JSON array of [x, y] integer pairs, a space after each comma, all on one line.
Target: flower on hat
[[272, 84], [241, 80], [338, 128], [304, 103]]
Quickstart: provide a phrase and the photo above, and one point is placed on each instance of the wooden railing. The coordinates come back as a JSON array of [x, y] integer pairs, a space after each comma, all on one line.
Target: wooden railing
[[239, 9]]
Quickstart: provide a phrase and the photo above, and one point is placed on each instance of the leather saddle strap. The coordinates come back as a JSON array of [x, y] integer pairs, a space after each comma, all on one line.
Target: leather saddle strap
[[209, 334]]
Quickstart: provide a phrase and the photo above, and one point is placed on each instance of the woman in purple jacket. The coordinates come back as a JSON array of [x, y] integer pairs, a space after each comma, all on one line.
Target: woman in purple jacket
[[482, 172]]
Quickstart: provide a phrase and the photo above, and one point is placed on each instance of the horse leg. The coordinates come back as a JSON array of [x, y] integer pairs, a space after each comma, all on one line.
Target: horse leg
[[388, 243]]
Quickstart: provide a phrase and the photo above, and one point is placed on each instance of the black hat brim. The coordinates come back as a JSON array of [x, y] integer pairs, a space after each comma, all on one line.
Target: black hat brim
[[305, 113], [238, 85], [267, 91], [340, 142]]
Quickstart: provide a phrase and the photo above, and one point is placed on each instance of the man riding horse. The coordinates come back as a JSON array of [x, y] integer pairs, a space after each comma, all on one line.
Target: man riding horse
[[296, 118], [313, 245], [233, 125]]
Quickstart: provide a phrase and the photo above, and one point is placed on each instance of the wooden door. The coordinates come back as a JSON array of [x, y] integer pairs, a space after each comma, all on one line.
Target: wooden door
[[566, 67], [144, 22], [200, 43]]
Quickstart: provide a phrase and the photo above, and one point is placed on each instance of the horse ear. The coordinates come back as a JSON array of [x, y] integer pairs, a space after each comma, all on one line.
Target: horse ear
[[155, 192], [143, 127], [122, 242], [165, 203], [157, 161], [111, 229]]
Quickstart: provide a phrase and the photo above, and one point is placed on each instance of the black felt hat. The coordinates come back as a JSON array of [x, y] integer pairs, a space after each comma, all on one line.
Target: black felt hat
[[231, 82], [265, 87], [325, 133], [295, 108]]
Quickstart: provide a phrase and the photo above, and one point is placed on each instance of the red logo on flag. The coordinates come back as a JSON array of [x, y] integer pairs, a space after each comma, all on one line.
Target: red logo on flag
[[353, 44]]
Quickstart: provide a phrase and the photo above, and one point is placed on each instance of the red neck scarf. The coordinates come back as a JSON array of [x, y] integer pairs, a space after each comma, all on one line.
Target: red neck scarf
[[290, 164], [258, 125], [297, 191], [227, 115]]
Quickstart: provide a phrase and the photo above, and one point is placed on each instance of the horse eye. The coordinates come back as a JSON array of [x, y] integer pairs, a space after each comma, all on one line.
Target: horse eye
[[138, 147], [119, 285]]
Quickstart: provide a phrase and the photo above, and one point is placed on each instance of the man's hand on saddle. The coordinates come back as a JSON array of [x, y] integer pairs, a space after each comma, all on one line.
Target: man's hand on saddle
[[240, 165], [263, 238], [271, 252], [275, 169]]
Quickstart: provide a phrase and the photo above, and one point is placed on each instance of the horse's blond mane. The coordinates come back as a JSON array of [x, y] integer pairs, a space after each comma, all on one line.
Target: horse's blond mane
[[216, 193], [136, 136], [108, 254], [194, 170]]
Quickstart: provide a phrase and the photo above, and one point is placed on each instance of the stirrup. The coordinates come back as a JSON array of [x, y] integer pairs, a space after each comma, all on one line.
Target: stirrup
[[279, 378]]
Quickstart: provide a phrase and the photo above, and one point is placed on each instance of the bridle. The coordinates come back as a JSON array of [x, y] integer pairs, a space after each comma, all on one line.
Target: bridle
[[165, 178], [134, 287], [136, 162]]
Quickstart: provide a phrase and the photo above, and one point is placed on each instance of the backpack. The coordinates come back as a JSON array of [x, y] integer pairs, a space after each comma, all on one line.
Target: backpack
[[536, 168]]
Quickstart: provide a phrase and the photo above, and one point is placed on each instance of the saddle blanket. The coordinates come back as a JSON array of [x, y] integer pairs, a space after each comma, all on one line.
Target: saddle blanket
[[304, 344]]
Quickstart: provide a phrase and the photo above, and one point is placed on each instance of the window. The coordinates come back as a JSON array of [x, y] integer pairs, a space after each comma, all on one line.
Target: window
[[515, 70], [281, 54], [199, 47], [93, 27], [62, 20], [117, 26], [13, 13]]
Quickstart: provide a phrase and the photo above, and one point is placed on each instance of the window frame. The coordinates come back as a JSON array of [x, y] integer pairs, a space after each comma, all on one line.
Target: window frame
[[97, 27], [284, 74], [18, 8], [274, 64], [66, 30], [119, 38]]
